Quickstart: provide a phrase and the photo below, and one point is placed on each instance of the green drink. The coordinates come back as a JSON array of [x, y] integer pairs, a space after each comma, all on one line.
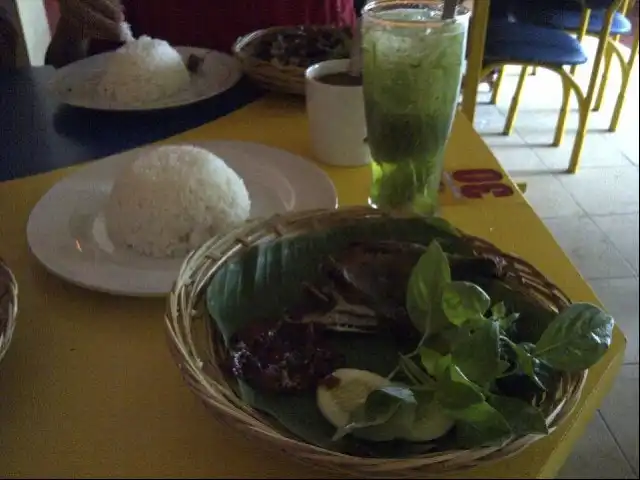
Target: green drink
[[412, 72]]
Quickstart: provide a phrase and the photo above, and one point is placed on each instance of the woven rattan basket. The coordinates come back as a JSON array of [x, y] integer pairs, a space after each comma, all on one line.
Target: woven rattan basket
[[272, 77], [8, 307], [199, 352]]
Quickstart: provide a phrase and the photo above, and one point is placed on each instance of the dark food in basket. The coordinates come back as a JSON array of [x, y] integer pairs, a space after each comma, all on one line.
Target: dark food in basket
[[304, 46], [283, 356]]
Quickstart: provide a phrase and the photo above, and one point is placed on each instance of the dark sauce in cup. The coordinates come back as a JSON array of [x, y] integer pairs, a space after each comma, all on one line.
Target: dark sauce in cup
[[341, 79]]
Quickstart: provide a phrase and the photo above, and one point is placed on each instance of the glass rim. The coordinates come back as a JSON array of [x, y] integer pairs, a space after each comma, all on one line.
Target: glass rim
[[371, 12]]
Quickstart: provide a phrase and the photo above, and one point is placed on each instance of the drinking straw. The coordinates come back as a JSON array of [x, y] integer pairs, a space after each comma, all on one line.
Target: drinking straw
[[449, 9]]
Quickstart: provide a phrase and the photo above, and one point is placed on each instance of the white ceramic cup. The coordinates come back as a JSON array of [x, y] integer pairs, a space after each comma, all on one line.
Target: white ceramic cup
[[336, 117]]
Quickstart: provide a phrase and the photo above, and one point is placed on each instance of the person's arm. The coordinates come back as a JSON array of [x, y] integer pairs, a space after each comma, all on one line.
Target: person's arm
[[9, 38], [67, 45], [80, 22]]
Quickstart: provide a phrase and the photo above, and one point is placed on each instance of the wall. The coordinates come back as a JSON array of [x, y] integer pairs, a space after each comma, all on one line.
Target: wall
[[30, 17], [35, 28]]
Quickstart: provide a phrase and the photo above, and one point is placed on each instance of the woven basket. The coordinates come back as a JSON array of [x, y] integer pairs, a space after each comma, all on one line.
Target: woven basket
[[8, 307], [200, 353], [272, 77]]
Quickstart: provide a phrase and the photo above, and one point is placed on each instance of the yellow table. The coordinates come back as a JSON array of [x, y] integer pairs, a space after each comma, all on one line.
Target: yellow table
[[88, 387]]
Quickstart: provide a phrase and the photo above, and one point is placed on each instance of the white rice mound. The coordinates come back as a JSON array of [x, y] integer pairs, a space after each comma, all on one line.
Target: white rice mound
[[142, 71], [171, 199]]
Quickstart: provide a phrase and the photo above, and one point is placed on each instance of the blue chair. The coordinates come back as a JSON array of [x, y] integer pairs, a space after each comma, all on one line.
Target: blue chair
[[569, 15], [514, 42]]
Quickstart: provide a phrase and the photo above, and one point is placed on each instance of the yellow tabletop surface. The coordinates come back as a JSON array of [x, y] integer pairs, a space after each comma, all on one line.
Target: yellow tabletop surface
[[89, 389]]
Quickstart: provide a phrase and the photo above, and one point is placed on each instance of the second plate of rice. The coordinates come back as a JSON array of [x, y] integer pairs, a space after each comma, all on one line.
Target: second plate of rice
[[145, 74]]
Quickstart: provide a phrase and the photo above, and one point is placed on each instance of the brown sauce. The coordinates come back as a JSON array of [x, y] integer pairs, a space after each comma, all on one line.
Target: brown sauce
[[342, 79]]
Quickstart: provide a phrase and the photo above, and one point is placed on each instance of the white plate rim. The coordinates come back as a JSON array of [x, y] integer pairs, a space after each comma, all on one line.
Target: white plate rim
[[92, 281]]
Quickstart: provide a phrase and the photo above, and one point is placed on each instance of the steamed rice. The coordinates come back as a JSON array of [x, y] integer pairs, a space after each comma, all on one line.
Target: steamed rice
[[143, 71], [172, 199]]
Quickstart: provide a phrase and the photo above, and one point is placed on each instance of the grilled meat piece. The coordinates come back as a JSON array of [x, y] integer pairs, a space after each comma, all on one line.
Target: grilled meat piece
[[283, 357]]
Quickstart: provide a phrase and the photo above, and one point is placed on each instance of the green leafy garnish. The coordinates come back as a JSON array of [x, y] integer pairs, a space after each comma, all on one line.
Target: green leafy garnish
[[431, 361], [481, 425], [478, 355], [424, 290], [522, 417], [576, 339], [462, 301], [463, 382], [390, 407], [457, 396]]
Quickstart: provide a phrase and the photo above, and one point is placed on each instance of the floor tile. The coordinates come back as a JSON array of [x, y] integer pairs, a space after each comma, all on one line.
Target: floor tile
[[589, 249], [605, 191], [599, 150], [620, 298], [622, 230], [596, 455], [547, 196], [620, 413], [518, 159]]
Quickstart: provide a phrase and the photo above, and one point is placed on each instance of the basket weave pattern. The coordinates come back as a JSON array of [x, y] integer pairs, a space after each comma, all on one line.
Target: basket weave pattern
[[8, 307], [199, 350]]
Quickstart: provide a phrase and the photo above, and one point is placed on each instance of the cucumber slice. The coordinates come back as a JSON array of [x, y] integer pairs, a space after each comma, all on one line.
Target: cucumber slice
[[351, 390]]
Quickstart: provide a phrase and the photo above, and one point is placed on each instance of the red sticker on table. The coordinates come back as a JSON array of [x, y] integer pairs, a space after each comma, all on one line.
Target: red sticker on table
[[474, 184]]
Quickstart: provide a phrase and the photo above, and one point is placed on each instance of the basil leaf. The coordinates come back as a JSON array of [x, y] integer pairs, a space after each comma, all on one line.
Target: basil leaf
[[382, 397], [463, 300], [576, 339], [499, 310], [415, 373], [527, 363], [424, 291], [523, 418], [480, 425], [507, 321], [455, 395], [430, 359], [504, 367], [382, 405], [478, 355], [431, 420], [443, 366]]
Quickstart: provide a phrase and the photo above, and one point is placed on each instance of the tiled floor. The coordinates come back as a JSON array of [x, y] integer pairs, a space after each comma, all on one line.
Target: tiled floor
[[594, 217]]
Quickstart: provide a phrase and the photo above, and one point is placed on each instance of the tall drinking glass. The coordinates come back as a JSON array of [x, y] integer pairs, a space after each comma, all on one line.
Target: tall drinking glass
[[412, 70]]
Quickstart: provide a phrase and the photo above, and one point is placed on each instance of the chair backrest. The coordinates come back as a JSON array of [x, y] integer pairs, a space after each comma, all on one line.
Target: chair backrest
[[599, 4]]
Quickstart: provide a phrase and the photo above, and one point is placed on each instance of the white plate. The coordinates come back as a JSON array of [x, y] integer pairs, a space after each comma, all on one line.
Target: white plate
[[77, 83], [66, 229]]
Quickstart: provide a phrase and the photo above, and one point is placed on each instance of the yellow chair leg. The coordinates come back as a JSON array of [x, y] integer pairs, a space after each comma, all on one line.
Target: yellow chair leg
[[475, 58], [617, 111], [585, 104], [564, 111], [605, 77], [584, 26], [574, 161], [515, 101], [496, 87]]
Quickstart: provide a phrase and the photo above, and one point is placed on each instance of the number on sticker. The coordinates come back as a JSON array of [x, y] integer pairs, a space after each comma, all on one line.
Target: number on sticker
[[480, 175], [479, 190]]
